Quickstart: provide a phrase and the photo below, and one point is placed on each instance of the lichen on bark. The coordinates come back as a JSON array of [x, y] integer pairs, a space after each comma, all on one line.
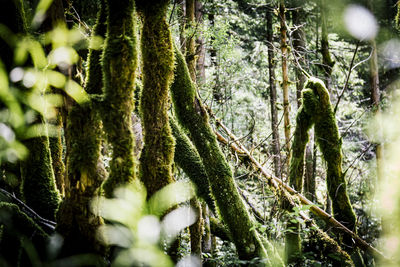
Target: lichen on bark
[[158, 71], [119, 66], [192, 115]]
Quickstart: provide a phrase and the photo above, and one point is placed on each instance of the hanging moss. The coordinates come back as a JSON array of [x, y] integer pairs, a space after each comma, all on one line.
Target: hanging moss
[[303, 123], [187, 157], [193, 116], [119, 66], [86, 172], [158, 69]]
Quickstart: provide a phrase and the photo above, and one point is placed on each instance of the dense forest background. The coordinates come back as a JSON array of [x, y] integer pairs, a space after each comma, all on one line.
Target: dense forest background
[[199, 132]]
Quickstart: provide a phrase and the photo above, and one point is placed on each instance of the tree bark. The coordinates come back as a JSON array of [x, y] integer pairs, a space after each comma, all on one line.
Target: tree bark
[[119, 67], [276, 150], [158, 70], [85, 170], [285, 79]]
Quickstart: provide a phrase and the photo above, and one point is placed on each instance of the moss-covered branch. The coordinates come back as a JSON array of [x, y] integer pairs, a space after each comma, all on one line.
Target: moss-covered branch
[[119, 66], [187, 157], [193, 116], [158, 70]]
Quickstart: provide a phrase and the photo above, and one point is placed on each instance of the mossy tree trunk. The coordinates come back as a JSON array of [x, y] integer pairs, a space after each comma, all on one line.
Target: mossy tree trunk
[[158, 68], [55, 17], [193, 116], [85, 170], [119, 67], [190, 38], [188, 159], [38, 185], [200, 46], [327, 61], [300, 50], [276, 149], [316, 109], [330, 143], [196, 228], [303, 123]]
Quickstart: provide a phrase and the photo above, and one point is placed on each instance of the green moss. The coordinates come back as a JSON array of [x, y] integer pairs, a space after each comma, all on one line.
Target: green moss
[[196, 229], [219, 229], [94, 77], [296, 170], [38, 185], [158, 70], [316, 109], [326, 249], [85, 170], [187, 157], [192, 115], [329, 141], [119, 65], [56, 149], [273, 256]]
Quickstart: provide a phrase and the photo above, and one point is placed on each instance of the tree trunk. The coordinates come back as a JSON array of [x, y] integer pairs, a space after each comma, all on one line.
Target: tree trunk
[[201, 48], [158, 69], [303, 123], [188, 159], [285, 79], [329, 141], [327, 62], [190, 27], [119, 66], [85, 170], [272, 92]]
